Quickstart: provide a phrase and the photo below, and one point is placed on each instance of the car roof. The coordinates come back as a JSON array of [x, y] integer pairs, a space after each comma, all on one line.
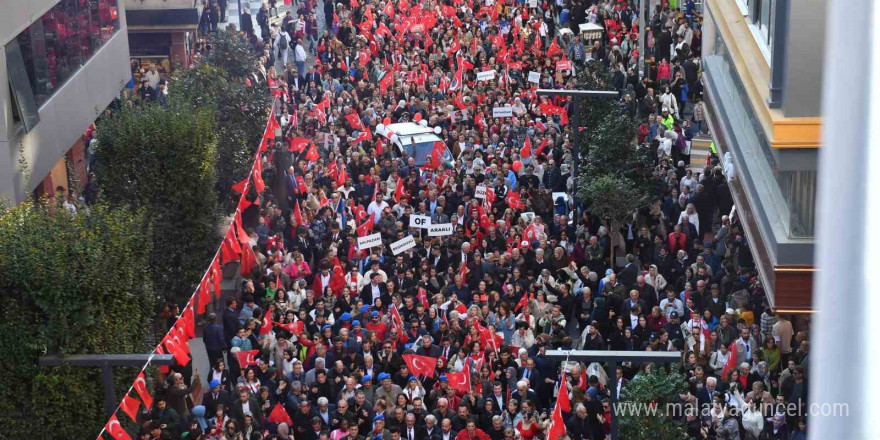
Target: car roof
[[408, 129]]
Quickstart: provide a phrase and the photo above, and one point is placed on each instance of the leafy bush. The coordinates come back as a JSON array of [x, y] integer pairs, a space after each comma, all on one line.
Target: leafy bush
[[240, 118], [163, 160], [655, 388], [71, 284]]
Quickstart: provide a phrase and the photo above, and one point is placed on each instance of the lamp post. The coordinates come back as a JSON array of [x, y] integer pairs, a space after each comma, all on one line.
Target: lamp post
[[577, 99]]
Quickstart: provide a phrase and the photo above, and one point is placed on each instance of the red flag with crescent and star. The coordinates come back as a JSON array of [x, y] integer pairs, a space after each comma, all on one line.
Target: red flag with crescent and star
[[114, 428], [460, 381], [423, 366], [247, 358]]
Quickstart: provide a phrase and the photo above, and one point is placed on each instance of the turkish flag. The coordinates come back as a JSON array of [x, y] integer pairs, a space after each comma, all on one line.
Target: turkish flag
[[530, 234], [526, 151], [541, 147], [731, 361], [298, 144], [216, 276], [557, 423], [389, 10], [437, 153], [420, 365], [312, 154], [204, 295], [396, 320], [115, 429], [515, 201], [562, 400], [460, 381], [279, 415], [248, 258], [140, 385], [386, 81], [553, 49], [247, 358], [230, 249], [258, 182], [242, 235], [177, 350], [130, 405], [297, 215], [399, 192], [523, 302], [187, 323], [365, 228], [354, 121], [266, 325], [240, 187]]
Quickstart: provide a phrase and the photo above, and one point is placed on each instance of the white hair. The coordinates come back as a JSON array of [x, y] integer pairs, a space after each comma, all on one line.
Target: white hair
[[323, 401], [521, 383]]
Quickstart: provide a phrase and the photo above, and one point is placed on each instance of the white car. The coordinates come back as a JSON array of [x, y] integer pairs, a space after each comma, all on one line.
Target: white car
[[416, 139]]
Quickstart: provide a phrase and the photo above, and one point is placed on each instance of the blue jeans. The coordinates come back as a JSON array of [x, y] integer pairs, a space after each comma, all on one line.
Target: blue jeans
[[301, 68]]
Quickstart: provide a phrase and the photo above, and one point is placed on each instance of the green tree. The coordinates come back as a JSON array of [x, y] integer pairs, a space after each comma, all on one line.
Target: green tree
[[658, 389], [611, 196], [240, 112], [233, 54], [162, 160], [608, 144], [71, 284]]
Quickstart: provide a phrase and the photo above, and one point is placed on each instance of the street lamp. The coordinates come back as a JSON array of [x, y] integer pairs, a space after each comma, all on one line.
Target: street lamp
[[577, 96]]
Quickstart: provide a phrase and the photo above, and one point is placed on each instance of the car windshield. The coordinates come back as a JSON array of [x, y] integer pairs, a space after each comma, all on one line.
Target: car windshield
[[423, 150]]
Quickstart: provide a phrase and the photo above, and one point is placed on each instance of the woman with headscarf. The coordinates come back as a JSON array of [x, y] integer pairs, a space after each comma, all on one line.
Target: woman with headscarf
[[284, 431]]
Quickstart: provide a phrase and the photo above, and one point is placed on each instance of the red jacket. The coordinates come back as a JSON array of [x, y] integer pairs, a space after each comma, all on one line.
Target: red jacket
[[677, 242], [479, 435]]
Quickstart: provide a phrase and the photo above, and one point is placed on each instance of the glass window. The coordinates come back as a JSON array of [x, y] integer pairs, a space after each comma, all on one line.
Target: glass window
[[56, 45]]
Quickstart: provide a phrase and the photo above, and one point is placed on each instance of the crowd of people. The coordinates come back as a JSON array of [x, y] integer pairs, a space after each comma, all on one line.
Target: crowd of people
[[526, 270]]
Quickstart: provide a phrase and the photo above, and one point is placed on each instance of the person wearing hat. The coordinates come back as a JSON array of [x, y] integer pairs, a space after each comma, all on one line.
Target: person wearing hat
[[387, 390], [379, 432], [215, 396]]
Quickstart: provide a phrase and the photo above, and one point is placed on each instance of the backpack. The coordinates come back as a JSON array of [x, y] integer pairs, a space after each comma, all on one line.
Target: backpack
[[284, 44]]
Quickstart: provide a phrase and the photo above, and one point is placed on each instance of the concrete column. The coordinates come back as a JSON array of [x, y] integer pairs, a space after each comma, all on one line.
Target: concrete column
[[842, 363]]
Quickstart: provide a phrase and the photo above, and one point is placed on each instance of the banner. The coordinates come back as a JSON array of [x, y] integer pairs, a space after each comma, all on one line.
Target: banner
[[563, 65], [534, 77], [440, 230], [480, 192], [403, 245], [502, 112], [486, 76], [419, 221], [369, 241]]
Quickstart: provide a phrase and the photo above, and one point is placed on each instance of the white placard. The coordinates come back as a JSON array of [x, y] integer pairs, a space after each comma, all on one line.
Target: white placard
[[533, 3], [528, 217], [486, 76], [502, 112], [459, 115], [480, 192], [369, 241], [403, 245], [534, 77], [440, 230], [419, 221]]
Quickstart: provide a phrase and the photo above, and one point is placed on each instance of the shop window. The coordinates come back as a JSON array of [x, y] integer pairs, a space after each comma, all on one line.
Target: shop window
[[60, 42]]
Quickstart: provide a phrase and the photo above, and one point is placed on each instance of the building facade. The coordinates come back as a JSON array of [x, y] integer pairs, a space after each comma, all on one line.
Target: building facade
[[762, 63], [162, 32], [63, 63]]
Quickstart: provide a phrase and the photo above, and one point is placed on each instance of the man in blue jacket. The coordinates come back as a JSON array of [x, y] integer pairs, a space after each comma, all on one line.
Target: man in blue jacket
[[215, 343]]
